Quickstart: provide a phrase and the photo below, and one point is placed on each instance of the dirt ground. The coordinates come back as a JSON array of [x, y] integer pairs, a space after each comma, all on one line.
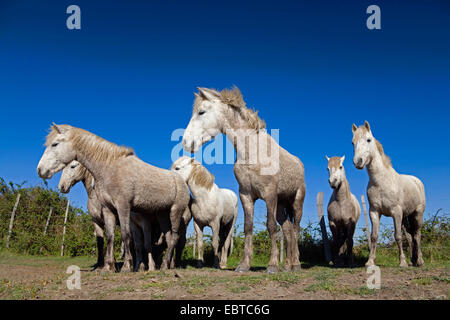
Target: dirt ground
[[25, 277]]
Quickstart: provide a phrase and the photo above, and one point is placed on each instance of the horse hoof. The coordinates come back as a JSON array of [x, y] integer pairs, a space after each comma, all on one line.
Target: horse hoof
[[296, 268], [242, 268], [272, 269], [370, 263], [286, 268], [420, 263], [403, 264], [199, 264], [104, 271]]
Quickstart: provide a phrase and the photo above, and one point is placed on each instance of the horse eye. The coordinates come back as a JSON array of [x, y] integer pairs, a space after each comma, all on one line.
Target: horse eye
[[340, 167], [177, 168], [55, 144], [368, 140], [73, 167], [201, 112]]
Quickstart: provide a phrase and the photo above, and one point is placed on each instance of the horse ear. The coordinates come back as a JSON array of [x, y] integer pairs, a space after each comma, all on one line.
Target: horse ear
[[367, 125], [328, 159], [208, 94], [342, 160], [55, 127], [196, 95], [354, 127]]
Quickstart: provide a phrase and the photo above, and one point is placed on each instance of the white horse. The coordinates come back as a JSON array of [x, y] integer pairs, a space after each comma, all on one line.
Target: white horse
[[141, 226], [399, 196], [212, 206], [73, 173], [343, 212], [263, 169], [123, 183]]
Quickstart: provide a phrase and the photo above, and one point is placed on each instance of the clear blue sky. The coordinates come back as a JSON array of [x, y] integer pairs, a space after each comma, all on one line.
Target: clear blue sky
[[311, 68]]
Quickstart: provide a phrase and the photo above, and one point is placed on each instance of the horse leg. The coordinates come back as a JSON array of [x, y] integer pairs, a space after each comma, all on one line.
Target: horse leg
[[335, 242], [397, 214], [375, 220], [199, 233], [286, 227], [248, 206], [342, 245], [176, 214], [123, 211], [148, 244], [228, 243], [181, 241], [215, 226], [406, 227], [350, 231], [110, 224], [417, 220], [98, 232], [164, 224], [138, 240], [297, 207], [271, 205]]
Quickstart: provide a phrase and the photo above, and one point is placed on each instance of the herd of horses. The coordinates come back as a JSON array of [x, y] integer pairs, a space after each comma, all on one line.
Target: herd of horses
[[153, 206]]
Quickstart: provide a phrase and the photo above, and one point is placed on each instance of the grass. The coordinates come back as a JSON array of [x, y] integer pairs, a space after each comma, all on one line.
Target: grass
[[12, 290]]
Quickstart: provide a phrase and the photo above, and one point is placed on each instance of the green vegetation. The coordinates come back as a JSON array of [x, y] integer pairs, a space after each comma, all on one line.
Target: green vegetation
[[27, 235], [31, 216]]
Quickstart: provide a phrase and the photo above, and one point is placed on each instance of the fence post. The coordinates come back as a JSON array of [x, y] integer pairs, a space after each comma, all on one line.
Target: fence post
[[48, 220], [281, 246], [323, 228], [64, 228], [12, 220], [46, 224], [365, 218]]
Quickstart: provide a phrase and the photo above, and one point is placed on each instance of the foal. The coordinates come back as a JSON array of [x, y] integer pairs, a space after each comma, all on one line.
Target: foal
[[73, 173], [343, 212], [141, 226], [399, 196], [211, 206]]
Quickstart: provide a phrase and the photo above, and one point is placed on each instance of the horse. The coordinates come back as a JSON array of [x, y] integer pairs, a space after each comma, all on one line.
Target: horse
[[211, 206], [343, 212], [123, 183], [277, 179], [140, 225], [71, 175], [399, 196]]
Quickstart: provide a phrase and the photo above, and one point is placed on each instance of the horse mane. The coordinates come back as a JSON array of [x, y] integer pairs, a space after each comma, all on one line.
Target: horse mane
[[201, 176], [91, 145], [87, 176], [386, 160], [233, 97]]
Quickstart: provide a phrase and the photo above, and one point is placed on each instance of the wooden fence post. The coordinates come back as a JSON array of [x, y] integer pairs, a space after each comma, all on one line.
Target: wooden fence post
[[46, 224], [323, 228], [11, 221], [365, 218], [64, 228], [48, 220]]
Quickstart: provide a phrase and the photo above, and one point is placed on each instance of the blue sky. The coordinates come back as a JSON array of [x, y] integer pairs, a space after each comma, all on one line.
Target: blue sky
[[311, 68]]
